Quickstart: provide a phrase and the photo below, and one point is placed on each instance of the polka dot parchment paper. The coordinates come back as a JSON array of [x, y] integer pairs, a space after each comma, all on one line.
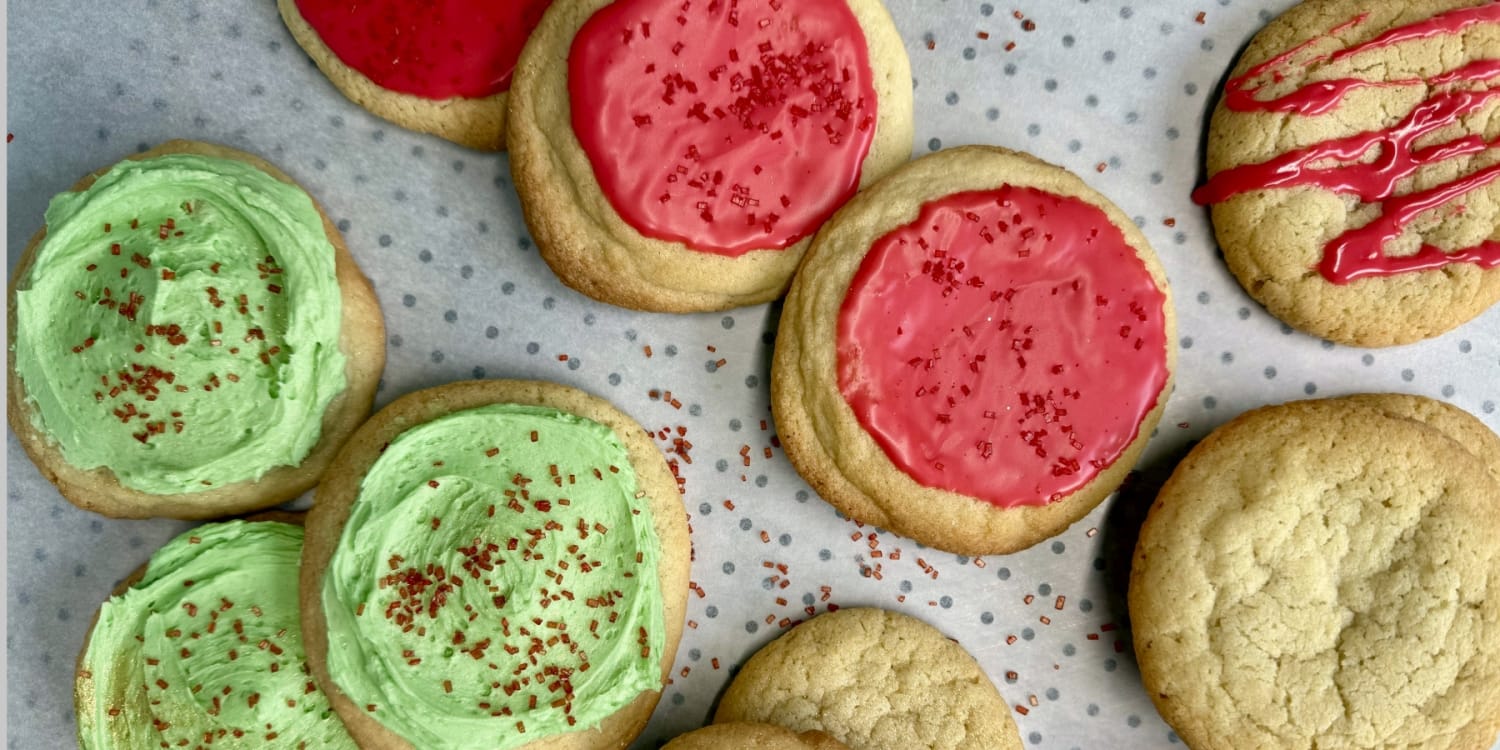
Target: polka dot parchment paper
[[1115, 90]]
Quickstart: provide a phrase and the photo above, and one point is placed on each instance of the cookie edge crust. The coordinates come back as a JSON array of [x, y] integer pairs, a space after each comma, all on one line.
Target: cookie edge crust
[[594, 250], [336, 495], [1282, 297], [361, 340], [477, 123], [1149, 614], [819, 430]]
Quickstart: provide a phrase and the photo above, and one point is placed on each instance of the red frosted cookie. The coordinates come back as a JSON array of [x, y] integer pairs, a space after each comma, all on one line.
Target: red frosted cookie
[[439, 66], [974, 353], [679, 157]]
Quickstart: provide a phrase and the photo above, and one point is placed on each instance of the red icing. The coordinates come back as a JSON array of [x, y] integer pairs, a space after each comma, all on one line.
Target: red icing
[[728, 128], [434, 49], [1336, 164], [1006, 345]]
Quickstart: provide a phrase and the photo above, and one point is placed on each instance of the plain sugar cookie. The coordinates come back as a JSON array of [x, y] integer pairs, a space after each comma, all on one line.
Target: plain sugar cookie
[[678, 157], [1323, 574], [974, 353], [874, 680], [1352, 168], [512, 532], [190, 337]]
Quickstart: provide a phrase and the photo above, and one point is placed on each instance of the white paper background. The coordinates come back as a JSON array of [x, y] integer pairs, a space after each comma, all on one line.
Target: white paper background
[[1119, 83]]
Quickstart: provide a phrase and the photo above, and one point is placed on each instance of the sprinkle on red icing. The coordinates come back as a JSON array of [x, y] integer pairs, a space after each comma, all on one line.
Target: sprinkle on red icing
[[723, 126], [434, 49], [1006, 345], [1342, 165]]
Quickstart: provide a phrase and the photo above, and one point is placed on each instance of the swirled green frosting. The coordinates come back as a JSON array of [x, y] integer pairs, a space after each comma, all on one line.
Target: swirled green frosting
[[496, 582], [180, 324], [206, 651]]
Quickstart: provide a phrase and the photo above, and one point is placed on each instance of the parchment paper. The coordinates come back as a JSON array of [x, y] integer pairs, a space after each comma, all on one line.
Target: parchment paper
[[1116, 91]]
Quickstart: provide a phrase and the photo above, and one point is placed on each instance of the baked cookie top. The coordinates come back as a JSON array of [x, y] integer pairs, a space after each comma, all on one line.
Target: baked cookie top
[[678, 157], [205, 643], [1352, 168], [743, 735], [874, 680], [500, 577], [1321, 574], [979, 334], [191, 338]]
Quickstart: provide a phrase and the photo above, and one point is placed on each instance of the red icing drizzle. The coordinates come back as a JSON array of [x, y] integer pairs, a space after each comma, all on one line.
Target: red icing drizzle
[[434, 49], [1006, 345], [1359, 253], [723, 127]]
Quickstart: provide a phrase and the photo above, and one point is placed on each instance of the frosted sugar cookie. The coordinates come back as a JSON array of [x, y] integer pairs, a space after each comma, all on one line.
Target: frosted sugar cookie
[[496, 564], [190, 338], [974, 353], [677, 157], [202, 647], [442, 67]]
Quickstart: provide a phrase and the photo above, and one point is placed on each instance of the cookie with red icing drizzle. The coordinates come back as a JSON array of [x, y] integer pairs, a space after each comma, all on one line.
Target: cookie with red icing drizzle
[[1353, 168], [679, 157], [975, 352], [439, 67]]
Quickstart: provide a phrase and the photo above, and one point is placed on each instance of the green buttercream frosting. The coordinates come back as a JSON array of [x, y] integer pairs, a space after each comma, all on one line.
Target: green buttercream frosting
[[497, 581], [180, 324], [208, 645]]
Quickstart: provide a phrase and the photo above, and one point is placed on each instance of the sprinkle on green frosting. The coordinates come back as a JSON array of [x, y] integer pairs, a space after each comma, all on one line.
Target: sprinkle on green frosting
[[497, 581], [180, 324], [208, 646]]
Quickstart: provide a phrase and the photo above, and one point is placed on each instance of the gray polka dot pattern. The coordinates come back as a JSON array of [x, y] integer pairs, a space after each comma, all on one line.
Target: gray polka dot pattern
[[1111, 89]]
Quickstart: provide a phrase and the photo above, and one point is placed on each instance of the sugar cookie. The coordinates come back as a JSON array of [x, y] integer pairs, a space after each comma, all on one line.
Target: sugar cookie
[[974, 353], [191, 337]]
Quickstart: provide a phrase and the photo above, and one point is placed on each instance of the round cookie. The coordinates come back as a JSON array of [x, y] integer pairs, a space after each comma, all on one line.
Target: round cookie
[[153, 667], [974, 353], [442, 68], [511, 532], [752, 736], [1320, 574], [1350, 171], [188, 364], [754, 132], [874, 680]]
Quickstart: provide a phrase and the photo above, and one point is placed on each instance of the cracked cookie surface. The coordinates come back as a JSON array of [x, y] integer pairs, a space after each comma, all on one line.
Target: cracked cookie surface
[[874, 680], [745, 735], [1322, 574]]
